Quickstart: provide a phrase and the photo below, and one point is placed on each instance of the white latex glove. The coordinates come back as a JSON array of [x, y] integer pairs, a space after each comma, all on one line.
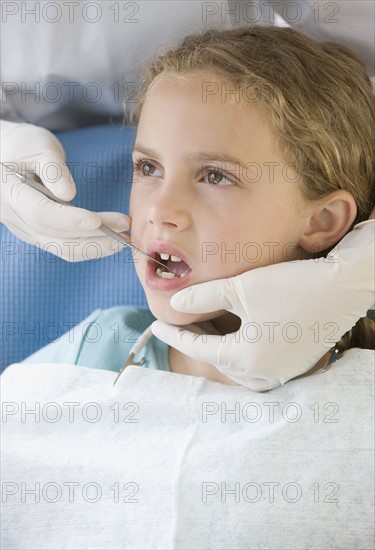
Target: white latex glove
[[314, 303], [36, 219]]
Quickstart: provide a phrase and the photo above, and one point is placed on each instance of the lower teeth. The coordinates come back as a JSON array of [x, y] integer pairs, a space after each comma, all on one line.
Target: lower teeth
[[164, 274], [167, 274]]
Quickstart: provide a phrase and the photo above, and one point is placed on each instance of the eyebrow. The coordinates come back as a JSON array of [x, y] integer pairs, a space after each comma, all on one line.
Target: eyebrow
[[207, 155]]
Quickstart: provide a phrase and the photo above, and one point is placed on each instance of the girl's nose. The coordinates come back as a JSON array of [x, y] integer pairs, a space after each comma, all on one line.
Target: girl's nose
[[171, 207]]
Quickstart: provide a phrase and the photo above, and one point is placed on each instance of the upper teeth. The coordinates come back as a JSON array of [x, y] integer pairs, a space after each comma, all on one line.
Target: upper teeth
[[166, 257]]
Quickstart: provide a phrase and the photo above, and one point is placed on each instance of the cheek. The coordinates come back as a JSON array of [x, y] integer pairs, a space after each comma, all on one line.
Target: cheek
[[132, 201], [229, 248], [137, 210]]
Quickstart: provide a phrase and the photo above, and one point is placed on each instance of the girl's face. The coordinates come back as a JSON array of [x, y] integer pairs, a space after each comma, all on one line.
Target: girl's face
[[211, 187]]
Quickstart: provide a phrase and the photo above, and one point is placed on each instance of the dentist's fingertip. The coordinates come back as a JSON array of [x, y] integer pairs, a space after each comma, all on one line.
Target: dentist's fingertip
[[115, 220], [62, 185], [154, 327], [157, 331], [90, 222], [63, 191], [179, 299]]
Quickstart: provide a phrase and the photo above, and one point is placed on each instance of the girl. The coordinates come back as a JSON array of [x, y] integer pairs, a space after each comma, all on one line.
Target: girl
[[254, 146]]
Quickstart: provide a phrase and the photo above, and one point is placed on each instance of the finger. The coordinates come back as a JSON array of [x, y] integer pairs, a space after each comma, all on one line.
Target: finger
[[39, 230], [75, 249], [82, 249], [39, 211], [56, 176], [210, 296], [197, 345], [115, 220]]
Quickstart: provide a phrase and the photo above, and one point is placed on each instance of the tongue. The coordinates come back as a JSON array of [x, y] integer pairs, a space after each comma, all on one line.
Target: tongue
[[178, 268]]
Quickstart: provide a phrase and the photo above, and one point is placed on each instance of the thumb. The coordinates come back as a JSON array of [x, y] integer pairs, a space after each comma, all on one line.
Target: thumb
[[205, 297], [55, 175], [194, 342]]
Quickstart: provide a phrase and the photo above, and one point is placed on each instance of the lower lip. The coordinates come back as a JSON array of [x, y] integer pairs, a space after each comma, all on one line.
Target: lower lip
[[157, 283]]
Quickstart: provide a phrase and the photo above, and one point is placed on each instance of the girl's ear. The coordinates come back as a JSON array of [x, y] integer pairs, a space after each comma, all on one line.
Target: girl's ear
[[329, 221]]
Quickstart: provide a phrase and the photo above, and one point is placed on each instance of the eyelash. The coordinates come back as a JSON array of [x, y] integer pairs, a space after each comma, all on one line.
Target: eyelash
[[139, 163]]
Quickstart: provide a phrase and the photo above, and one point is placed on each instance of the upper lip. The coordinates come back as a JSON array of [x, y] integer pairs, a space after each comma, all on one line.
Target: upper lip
[[165, 248]]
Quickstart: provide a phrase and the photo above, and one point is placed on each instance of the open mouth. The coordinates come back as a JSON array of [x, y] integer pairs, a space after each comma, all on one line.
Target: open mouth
[[179, 268]]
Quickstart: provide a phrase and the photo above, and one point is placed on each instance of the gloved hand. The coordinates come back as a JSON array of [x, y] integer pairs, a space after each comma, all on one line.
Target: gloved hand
[[36, 219], [291, 313]]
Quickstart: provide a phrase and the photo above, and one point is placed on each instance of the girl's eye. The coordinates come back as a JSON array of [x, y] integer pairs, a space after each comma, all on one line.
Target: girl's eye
[[144, 167], [218, 179]]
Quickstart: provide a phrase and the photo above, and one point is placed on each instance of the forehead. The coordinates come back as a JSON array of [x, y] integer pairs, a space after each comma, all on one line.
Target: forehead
[[205, 88], [199, 110]]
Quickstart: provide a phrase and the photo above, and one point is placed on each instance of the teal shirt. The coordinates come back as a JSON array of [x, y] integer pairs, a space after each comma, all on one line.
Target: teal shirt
[[103, 341]]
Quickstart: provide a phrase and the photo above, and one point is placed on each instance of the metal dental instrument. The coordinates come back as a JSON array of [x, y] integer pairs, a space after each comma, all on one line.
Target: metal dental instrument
[[107, 230]]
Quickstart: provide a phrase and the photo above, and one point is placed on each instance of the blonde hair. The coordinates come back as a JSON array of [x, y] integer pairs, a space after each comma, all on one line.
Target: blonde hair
[[319, 98]]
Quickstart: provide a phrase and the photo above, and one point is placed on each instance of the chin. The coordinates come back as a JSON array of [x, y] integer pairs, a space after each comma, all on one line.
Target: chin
[[167, 314]]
